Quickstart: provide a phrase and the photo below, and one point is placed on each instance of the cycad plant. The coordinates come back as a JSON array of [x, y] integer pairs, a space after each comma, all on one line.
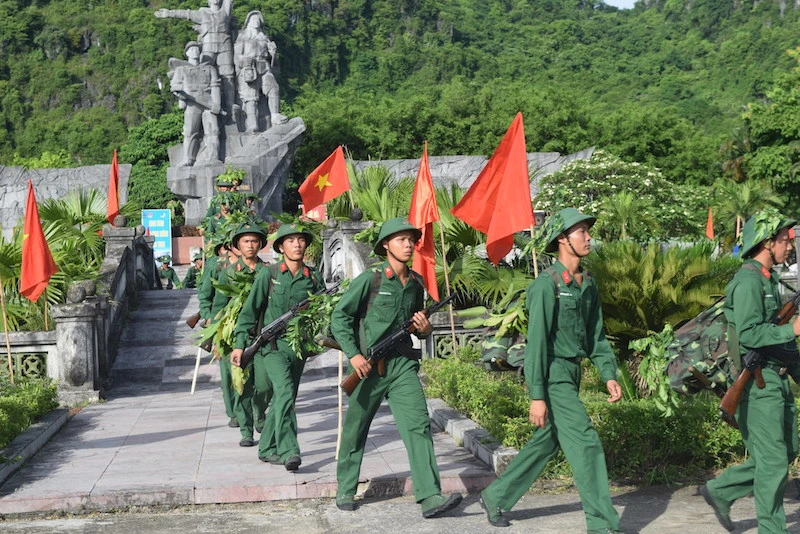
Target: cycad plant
[[644, 288]]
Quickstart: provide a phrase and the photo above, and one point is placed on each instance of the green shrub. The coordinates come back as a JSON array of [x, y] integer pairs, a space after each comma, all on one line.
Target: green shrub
[[641, 445], [23, 403]]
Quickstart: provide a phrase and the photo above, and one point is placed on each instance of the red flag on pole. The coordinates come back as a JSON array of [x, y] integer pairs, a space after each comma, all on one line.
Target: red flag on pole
[[499, 202], [710, 226], [113, 190], [423, 213], [37, 262], [326, 182]]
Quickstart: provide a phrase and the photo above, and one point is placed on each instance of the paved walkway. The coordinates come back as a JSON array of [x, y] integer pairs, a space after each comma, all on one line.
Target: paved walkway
[[151, 442]]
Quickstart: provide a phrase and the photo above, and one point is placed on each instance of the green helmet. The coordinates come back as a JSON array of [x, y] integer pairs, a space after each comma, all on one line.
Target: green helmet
[[289, 229], [224, 181], [166, 258], [248, 228], [560, 222], [197, 256], [762, 226], [392, 226]]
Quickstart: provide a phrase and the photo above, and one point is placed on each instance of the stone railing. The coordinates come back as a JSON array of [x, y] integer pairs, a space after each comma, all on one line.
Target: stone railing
[[80, 352]]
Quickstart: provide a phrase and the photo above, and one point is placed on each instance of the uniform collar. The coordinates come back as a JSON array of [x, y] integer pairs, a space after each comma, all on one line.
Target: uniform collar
[[766, 273], [564, 274], [285, 268]]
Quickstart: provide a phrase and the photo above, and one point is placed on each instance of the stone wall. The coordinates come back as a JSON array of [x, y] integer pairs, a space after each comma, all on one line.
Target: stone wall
[[50, 183]]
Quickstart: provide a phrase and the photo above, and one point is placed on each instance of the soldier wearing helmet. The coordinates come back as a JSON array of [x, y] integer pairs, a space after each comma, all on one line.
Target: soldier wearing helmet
[[767, 416], [565, 325]]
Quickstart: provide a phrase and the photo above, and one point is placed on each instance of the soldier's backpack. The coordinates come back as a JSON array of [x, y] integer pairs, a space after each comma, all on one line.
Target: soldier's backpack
[[704, 354], [504, 354]]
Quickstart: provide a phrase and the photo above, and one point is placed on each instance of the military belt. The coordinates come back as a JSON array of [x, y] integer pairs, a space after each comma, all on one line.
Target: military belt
[[777, 367]]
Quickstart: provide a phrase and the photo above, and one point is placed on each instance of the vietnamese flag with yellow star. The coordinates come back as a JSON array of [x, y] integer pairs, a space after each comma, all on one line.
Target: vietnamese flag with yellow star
[[37, 261], [326, 182]]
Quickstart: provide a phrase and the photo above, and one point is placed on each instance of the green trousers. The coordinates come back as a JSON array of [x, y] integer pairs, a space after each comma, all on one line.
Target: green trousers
[[403, 391], [277, 378], [768, 419], [225, 384], [249, 407], [570, 428]]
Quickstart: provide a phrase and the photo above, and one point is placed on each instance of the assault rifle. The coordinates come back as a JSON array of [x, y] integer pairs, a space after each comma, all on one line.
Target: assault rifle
[[271, 332], [752, 362], [381, 349], [192, 321]]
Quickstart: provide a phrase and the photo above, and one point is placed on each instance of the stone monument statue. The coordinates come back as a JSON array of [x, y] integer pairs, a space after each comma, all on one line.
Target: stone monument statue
[[197, 86], [254, 55], [213, 25], [262, 142]]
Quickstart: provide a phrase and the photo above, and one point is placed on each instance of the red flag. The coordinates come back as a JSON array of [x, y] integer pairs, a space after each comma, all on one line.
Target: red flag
[[499, 202], [326, 182], [37, 262], [423, 213], [710, 226], [113, 190]]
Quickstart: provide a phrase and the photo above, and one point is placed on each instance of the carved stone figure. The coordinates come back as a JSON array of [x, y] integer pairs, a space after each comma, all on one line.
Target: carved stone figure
[[213, 25], [254, 55], [197, 86]]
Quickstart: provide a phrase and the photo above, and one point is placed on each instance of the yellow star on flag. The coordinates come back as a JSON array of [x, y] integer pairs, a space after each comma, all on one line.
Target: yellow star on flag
[[323, 182]]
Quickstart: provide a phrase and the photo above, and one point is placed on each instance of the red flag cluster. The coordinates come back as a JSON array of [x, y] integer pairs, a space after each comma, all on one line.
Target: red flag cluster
[[423, 213], [499, 202], [37, 261]]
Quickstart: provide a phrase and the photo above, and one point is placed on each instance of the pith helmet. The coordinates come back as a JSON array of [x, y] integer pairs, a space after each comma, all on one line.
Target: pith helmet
[[197, 256], [192, 44], [223, 181], [249, 228], [166, 258], [289, 229], [392, 226], [762, 226], [560, 222]]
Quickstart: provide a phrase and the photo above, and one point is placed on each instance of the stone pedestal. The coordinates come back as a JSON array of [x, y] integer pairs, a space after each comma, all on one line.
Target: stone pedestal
[[77, 352], [265, 156], [344, 257]]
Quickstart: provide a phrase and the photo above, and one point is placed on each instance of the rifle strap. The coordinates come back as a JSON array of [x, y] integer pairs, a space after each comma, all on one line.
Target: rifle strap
[[734, 350], [374, 289]]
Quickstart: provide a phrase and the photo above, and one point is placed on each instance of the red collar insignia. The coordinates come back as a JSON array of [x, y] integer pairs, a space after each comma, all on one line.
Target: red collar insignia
[[566, 277], [306, 272], [284, 268], [765, 272], [388, 271]]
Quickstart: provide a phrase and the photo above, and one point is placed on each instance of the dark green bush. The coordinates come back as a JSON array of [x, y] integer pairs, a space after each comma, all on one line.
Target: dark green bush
[[641, 445], [22, 404]]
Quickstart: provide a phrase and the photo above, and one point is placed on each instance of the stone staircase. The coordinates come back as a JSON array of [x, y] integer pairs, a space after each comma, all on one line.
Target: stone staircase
[[158, 349]]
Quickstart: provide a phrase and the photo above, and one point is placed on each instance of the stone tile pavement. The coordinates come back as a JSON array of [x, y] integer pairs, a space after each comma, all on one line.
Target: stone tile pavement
[[152, 442]]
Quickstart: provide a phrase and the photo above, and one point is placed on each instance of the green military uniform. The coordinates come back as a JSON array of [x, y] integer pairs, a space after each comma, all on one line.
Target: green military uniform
[[768, 416], [167, 273], [192, 274], [357, 325], [565, 325], [277, 369], [205, 294], [249, 402]]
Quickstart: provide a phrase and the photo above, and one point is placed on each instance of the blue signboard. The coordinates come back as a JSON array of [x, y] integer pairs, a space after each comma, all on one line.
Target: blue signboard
[[158, 223]]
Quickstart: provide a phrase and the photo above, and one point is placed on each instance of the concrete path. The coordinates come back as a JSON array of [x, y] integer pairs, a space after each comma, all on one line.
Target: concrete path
[[151, 442], [162, 460]]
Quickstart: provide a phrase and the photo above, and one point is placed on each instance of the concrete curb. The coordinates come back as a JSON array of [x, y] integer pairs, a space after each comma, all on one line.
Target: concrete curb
[[30, 441], [471, 436]]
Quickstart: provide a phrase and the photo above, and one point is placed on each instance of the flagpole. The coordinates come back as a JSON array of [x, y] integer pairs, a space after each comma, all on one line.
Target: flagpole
[[533, 253], [447, 286], [5, 328], [45, 309]]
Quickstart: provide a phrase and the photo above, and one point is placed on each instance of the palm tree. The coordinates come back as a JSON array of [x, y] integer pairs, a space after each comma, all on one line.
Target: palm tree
[[735, 202], [623, 212]]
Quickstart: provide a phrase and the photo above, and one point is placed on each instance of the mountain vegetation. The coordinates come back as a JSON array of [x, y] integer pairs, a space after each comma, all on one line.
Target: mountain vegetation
[[697, 89]]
